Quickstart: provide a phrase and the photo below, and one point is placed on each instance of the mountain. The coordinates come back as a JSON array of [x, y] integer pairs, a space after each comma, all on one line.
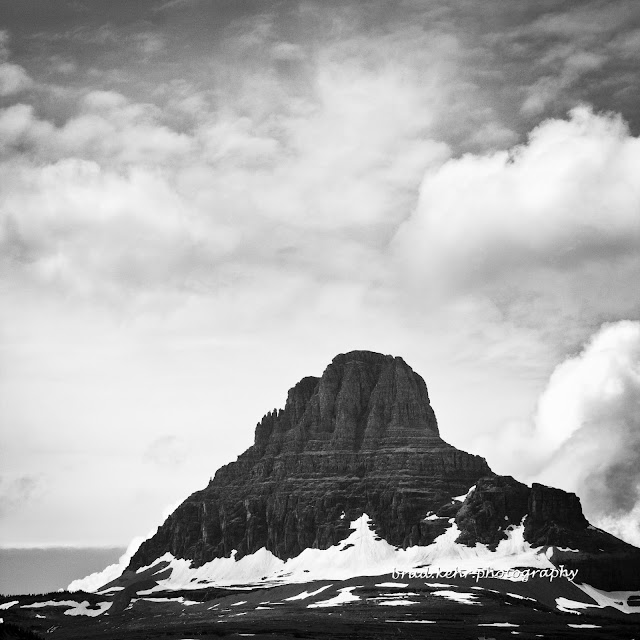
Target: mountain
[[363, 439], [351, 517]]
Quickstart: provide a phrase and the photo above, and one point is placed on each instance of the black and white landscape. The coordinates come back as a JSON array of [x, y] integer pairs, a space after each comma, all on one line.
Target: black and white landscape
[[281, 539], [203, 202]]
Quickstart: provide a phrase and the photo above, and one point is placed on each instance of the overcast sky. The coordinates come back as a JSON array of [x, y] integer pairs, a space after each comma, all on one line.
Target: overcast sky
[[202, 202]]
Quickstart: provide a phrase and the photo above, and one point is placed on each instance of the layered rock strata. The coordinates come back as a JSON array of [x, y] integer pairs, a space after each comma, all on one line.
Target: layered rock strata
[[363, 438]]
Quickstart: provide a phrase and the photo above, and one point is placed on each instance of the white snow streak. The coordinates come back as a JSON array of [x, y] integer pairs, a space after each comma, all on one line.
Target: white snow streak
[[456, 596], [616, 599], [343, 597]]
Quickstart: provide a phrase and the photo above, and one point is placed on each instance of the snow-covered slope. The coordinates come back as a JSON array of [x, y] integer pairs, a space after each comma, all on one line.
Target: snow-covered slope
[[362, 553]]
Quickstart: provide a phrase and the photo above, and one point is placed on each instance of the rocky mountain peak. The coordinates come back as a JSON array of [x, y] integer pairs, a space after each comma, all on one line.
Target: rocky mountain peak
[[362, 438], [363, 401]]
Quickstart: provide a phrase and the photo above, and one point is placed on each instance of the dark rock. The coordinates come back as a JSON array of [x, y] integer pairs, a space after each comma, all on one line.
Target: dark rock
[[554, 517], [494, 504]]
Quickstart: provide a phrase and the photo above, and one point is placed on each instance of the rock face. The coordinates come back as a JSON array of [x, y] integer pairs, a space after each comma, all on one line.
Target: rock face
[[363, 438], [494, 504], [552, 518]]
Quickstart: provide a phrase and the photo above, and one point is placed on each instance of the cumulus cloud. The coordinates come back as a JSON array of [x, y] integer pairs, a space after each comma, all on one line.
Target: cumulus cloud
[[86, 229], [13, 79], [567, 196], [585, 436], [590, 416], [115, 197]]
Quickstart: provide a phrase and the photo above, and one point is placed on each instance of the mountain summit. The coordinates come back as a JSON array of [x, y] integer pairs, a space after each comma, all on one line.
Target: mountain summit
[[363, 439]]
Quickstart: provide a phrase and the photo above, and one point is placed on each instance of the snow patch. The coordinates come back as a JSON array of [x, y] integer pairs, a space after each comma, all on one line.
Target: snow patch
[[516, 595], [463, 497], [570, 606], [616, 599], [94, 581], [399, 585], [584, 626], [75, 608], [456, 596], [306, 594], [395, 603], [181, 600], [8, 605], [432, 516], [498, 624], [51, 603], [362, 553], [343, 597], [83, 609]]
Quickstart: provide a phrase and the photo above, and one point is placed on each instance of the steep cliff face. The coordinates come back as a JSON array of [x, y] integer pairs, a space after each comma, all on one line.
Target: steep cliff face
[[363, 438], [496, 503]]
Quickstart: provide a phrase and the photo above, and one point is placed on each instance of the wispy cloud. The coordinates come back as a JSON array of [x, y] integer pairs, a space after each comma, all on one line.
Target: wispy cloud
[[17, 491]]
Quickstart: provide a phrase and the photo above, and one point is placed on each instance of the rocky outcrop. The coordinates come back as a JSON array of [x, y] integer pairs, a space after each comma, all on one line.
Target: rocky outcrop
[[553, 520], [363, 438], [494, 504]]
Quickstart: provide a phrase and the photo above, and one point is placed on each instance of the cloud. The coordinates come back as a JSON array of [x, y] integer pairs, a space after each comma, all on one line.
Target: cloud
[[590, 416], [13, 79], [567, 196], [91, 230], [16, 491], [585, 436], [114, 197]]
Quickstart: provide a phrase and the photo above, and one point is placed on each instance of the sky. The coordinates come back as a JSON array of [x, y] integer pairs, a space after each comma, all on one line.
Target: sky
[[202, 202]]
